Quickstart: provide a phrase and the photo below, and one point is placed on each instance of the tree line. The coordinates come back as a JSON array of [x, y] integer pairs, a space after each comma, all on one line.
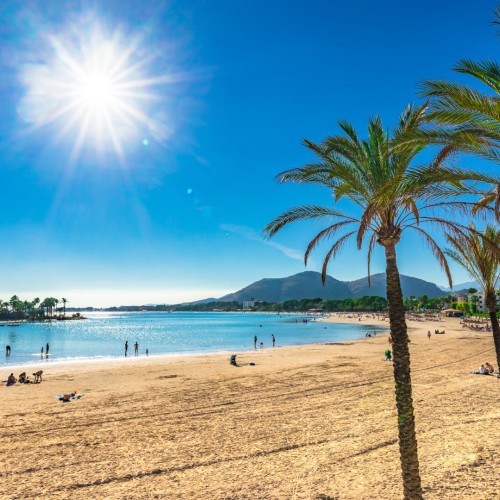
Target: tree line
[[15, 308]]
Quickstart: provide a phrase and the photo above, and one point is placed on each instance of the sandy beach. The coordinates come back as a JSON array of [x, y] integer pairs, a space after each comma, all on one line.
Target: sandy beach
[[316, 421]]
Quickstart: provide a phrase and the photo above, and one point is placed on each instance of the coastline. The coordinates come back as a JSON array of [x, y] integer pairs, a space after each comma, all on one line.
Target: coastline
[[33, 360], [303, 422]]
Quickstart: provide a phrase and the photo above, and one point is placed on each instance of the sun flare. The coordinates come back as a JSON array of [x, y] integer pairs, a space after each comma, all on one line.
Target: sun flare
[[96, 88]]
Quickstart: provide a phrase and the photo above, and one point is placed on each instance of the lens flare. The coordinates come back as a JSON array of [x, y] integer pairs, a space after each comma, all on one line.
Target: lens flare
[[97, 88]]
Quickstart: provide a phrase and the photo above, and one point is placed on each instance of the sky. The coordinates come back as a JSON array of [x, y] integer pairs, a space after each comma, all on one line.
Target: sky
[[139, 140]]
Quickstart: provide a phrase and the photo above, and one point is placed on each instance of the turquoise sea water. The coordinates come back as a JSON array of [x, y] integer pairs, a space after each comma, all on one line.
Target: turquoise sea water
[[103, 335]]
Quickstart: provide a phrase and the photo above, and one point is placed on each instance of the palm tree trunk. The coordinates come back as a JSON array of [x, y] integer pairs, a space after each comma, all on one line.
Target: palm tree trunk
[[491, 304], [404, 403]]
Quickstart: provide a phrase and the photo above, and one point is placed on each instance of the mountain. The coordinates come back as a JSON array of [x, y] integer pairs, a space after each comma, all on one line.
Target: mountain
[[409, 285], [462, 286], [305, 285]]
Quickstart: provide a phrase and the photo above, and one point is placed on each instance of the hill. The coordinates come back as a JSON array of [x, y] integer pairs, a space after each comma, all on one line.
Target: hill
[[462, 287], [409, 285], [307, 285]]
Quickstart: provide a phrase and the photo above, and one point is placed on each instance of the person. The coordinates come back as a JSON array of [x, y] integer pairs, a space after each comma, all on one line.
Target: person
[[429, 334], [7, 350], [389, 340], [255, 342], [273, 339], [489, 368], [38, 376], [11, 380], [147, 352], [23, 379], [374, 333], [232, 360], [388, 355], [136, 348], [126, 347], [47, 349], [262, 345]]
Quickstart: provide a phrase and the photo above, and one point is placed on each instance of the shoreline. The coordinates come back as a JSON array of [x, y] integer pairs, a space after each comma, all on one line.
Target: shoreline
[[36, 362], [89, 360]]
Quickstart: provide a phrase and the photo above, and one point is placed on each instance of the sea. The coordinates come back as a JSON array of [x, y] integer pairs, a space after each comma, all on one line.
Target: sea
[[102, 335]]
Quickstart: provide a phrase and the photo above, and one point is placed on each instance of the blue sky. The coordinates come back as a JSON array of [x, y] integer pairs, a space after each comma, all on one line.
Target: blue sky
[[176, 211]]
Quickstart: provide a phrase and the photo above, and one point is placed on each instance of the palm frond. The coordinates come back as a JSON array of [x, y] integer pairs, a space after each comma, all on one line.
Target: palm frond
[[487, 71], [437, 252], [329, 232], [371, 247], [305, 212], [336, 247]]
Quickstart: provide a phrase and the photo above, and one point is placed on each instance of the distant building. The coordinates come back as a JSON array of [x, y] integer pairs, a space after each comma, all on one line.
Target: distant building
[[250, 304], [479, 299], [461, 298]]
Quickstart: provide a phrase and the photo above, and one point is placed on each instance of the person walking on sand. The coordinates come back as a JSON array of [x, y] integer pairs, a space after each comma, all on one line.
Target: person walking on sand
[[429, 334], [255, 342], [136, 348], [273, 339], [126, 347]]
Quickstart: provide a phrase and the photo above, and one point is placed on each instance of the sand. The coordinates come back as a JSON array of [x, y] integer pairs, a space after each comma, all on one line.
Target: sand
[[316, 421]]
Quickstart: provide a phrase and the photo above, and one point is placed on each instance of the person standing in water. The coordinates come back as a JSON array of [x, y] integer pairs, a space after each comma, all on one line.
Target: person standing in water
[[136, 348], [255, 342], [273, 339], [41, 353], [7, 350], [47, 349], [126, 347]]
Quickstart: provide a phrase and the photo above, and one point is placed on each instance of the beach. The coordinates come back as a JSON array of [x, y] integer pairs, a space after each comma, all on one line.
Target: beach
[[315, 421]]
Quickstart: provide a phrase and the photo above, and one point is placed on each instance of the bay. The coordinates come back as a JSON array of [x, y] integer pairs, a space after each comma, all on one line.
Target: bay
[[102, 335]]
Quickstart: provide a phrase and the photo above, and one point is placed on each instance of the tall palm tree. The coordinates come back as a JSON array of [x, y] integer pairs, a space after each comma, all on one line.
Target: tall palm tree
[[64, 301], [476, 257], [371, 174]]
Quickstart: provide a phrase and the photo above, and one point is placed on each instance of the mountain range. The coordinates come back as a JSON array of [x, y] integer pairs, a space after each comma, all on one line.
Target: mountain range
[[307, 285], [462, 287]]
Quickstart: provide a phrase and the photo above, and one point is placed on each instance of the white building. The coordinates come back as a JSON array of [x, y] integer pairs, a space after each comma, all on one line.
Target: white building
[[479, 300], [248, 304]]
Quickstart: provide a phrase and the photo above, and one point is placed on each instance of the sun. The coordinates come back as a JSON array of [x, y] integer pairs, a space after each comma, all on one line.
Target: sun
[[98, 93], [95, 87]]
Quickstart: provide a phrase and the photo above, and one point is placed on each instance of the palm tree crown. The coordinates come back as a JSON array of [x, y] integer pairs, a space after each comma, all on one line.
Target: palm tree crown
[[475, 254], [380, 180]]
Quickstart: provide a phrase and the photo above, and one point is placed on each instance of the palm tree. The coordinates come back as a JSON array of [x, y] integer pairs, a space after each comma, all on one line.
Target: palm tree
[[371, 174], [475, 256], [64, 301], [463, 119]]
